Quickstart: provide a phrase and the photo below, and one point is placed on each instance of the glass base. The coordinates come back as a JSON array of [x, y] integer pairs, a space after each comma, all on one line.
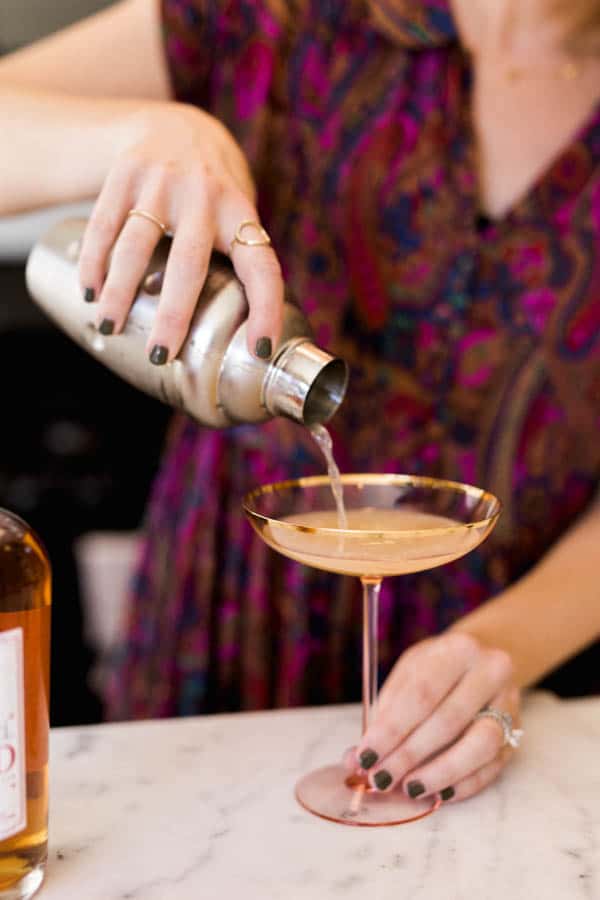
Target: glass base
[[348, 799], [26, 887]]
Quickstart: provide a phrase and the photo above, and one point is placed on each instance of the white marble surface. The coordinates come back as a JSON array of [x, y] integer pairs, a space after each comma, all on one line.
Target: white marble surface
[[200, 809]]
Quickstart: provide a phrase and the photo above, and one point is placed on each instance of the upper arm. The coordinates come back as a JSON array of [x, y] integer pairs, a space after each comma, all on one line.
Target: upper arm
[[115, 53]]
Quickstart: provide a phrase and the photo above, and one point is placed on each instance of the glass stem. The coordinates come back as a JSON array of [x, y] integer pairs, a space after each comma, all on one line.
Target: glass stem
[[371, 588]]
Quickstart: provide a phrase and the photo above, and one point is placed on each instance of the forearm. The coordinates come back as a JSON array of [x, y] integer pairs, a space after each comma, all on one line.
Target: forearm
[[552, 612], [58, 148], [63, 116]]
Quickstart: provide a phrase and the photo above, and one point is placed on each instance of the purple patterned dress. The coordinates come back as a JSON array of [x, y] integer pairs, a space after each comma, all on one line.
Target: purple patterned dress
[[474, 346]]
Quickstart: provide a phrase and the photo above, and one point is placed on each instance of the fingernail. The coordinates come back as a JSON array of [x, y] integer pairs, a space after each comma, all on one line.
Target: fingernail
[[447, 794], [89, 295], [159, 355], [107, 326], [382, 780], [367, 759], [264, 348], [415, 788]]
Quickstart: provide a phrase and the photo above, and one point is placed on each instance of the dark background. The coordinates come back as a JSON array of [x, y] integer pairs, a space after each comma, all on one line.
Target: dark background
[[78, 446]]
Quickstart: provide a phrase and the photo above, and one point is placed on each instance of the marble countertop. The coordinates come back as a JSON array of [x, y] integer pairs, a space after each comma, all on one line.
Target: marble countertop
[[200, 809]]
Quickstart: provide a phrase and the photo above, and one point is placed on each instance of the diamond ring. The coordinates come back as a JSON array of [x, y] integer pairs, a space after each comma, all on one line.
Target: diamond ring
[[511, 736]]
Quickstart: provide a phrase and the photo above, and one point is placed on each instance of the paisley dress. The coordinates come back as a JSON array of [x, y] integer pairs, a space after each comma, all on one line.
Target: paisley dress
[[474, 348]]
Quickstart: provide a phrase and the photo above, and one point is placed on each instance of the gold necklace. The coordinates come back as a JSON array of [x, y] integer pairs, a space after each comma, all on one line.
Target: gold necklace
[[568, 70]]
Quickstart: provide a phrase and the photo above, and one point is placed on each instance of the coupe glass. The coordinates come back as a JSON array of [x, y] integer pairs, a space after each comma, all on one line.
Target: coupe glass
[[396, 524]]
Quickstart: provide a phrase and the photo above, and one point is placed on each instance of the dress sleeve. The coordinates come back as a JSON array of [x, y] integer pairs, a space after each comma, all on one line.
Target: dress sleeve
[[189, 32], [219, 47]]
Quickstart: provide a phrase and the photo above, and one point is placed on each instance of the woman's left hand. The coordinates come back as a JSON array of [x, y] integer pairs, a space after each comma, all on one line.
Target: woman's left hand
[[423, 737]]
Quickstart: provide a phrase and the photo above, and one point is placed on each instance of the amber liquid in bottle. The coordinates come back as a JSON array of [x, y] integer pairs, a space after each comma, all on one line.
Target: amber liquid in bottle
[[25, 597]]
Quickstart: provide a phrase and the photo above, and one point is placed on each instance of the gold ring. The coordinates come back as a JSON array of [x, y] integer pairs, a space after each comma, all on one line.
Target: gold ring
[[263, 239], [147, 215]]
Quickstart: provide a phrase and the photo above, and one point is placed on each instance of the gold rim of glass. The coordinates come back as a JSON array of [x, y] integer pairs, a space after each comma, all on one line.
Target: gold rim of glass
[[391, 479]]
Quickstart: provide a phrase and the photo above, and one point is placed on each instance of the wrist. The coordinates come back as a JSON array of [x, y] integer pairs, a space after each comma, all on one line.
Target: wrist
[[492, 627]]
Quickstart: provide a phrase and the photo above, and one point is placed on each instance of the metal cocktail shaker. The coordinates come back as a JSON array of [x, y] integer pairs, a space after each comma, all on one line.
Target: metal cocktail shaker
[[214, 379]]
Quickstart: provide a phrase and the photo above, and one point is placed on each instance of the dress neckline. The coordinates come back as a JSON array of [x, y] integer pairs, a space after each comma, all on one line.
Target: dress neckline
[[423, 24], [562, 179]]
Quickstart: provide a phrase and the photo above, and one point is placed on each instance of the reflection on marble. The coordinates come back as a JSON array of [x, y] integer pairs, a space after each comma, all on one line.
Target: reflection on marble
[[201, 809]]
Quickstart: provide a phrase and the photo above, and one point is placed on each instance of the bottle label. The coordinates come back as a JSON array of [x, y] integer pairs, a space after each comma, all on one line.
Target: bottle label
[[13, 794]]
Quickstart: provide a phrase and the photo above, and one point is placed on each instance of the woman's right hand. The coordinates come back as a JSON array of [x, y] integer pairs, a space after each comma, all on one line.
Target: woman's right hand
[[182, 166]]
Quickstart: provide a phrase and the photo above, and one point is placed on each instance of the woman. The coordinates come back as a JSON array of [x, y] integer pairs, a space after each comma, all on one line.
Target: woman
[[428, 172]]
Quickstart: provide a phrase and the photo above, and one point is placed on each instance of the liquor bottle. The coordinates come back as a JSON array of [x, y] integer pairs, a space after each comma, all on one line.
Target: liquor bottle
[[25, 599], [215, 379]]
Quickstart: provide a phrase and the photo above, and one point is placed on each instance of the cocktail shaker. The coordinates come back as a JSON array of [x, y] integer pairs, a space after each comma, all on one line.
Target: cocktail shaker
[[215, 379]]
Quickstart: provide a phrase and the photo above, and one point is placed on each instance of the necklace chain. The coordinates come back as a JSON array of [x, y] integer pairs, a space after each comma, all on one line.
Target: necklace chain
[[568, 70]]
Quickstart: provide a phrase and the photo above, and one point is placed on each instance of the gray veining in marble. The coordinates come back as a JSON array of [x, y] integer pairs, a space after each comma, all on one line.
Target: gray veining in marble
[[204, 808]]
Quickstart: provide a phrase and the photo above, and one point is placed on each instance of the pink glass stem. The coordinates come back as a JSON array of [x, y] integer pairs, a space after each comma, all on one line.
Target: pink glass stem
[[371, 588]]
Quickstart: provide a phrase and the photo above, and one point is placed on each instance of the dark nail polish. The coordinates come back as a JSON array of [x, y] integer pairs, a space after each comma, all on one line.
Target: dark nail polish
[[89, 295], [382, 780], [447, 794], [367, 759], [107, 326], [264, 348], [415, 789], [159, 355]]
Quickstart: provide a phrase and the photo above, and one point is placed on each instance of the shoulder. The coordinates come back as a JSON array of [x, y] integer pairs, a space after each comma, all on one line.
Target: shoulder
[[247, 17], [206, 41]]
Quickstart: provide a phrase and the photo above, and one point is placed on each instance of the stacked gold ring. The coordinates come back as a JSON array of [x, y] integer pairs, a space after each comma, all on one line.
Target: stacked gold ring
[[263, 239], [144, 214]]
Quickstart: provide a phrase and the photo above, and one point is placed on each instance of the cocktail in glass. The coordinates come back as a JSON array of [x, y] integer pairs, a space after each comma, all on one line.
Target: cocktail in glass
[[397, 524]]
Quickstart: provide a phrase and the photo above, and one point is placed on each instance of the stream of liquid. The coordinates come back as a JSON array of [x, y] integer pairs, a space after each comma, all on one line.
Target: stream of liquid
[[323, 439]]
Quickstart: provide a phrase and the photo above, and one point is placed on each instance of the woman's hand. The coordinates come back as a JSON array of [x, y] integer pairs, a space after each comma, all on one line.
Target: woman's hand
[[183, 167], [423, 737]]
